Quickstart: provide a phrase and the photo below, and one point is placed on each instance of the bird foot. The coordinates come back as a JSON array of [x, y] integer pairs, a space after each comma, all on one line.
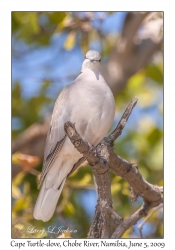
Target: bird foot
[[93, 149]]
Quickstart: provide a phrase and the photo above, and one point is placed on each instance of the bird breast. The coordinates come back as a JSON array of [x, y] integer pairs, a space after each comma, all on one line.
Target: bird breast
[[96, 106]]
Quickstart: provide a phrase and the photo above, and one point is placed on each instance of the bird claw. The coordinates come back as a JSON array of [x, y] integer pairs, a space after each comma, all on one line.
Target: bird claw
[[93, 149]]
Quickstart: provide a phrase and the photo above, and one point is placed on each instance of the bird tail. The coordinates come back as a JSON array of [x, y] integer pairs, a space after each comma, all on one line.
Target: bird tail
[[47, 200]]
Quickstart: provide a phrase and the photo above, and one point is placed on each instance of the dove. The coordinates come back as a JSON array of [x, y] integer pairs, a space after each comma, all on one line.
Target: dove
[[88, 103]]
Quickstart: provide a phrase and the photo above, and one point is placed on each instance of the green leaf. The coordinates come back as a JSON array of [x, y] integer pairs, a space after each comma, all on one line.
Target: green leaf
[[56, 17], [45, 85], [16, 91], [18, 178], [15, 23], [22, 204], [16, 100], [111, 12], [155, 73], [44, 39], [70, 41], [33, 17], [84, 181], [16, 192], [69, 209], [29, 25], [155, 135]]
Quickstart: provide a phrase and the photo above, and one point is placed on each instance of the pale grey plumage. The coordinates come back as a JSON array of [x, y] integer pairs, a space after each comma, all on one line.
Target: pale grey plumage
[[88, 102]]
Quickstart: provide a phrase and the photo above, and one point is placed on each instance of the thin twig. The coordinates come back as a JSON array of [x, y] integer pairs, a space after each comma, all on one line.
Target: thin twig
[[140, 226], [118, 130], [115, 215], [132, 220]]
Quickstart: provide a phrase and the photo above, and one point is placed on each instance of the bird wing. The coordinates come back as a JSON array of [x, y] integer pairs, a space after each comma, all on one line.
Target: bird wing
[[56, 135]]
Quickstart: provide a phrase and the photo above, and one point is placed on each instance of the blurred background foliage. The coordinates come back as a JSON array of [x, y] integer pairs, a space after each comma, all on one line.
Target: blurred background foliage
[[47, 52]]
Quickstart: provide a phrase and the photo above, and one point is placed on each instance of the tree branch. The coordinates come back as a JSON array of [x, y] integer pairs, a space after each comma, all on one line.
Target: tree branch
[[126, 224], [147, 218], [32, 140], [134, 49], [131, 174], [151, 194], [100, 227]]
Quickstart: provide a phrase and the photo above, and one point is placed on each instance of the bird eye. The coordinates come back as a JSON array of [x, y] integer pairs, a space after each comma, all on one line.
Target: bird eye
[[100, 60]]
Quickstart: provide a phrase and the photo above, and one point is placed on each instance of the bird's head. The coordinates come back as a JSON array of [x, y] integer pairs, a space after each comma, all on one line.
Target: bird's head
[[92, 60], [93, 56]]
